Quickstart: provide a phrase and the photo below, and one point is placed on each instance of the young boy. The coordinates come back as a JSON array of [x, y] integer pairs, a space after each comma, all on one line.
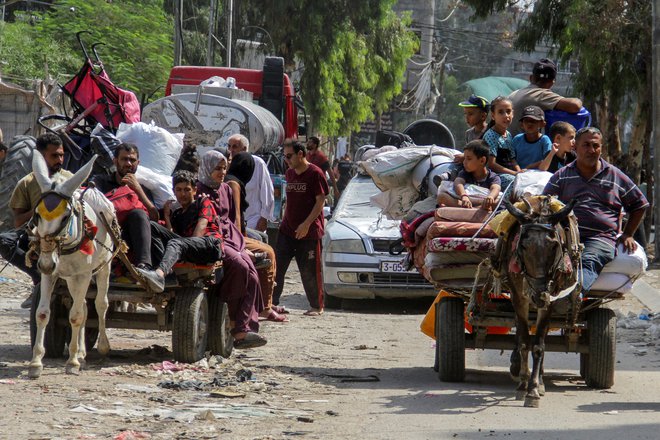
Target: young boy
[[563, 146], [474, 172], [531, 146], [475, 110], [191, 233]]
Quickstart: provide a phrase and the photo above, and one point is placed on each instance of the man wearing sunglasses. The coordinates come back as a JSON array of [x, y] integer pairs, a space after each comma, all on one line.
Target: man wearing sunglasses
[[302, 226]]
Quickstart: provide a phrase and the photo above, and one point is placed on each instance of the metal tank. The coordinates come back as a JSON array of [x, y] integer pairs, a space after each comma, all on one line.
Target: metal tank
[[208, 120]]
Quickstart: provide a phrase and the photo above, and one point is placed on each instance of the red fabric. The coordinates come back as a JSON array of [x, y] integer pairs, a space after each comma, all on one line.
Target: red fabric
[[112, 104], [319, 159], [185, 222], [407, 230], [124, 199], [301, 192], [87, 247]]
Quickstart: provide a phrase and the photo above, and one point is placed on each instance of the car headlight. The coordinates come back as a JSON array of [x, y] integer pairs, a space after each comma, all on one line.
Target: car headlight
[[347, 246]]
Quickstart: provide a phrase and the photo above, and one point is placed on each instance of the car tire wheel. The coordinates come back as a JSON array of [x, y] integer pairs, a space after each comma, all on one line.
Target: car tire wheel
[[332, 302]]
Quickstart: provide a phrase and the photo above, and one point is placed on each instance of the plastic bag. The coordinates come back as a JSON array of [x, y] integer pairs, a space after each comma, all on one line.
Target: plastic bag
[[529, 183], [159, 149], [159, 185]]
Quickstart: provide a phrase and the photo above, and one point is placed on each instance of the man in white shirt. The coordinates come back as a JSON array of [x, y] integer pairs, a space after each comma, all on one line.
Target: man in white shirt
[[259, 190]]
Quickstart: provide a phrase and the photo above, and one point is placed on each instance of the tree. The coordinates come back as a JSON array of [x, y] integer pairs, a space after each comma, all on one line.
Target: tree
[[611, 41], [353, 54], [24, 59], [137, 38]]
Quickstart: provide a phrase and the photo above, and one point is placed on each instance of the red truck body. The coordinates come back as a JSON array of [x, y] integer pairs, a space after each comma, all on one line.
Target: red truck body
[[247, 79]]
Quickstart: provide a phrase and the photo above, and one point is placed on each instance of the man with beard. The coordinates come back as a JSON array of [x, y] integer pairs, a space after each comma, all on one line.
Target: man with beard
[[26, 195], [123, 184]]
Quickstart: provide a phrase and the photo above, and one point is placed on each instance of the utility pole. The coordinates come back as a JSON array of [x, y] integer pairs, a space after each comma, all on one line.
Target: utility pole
[[655, 145], [178, 21], [209, 41], [230, 16]]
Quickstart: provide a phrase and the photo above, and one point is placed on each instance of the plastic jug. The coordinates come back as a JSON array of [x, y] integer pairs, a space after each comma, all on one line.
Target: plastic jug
[[577, 120]]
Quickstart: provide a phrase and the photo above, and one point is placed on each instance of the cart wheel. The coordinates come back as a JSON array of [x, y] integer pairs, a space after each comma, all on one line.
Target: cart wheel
[[601, 327], [450, 339], [190, 325], [55, 335], [584, 364], [220, 340]]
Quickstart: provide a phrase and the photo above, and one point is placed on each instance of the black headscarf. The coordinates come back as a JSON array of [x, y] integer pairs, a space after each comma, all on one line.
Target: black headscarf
[[240, 171]]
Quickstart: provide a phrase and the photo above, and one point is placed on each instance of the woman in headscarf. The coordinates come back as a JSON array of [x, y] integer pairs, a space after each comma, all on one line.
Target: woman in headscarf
[[239, 174], [240, 285], [211, 176]]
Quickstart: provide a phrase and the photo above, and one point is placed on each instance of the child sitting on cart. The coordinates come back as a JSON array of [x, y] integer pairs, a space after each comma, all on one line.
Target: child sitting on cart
[[190, 234], [475, 172]]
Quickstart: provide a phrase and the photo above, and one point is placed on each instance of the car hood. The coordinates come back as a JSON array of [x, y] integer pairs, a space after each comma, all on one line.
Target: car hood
[[370, 227]]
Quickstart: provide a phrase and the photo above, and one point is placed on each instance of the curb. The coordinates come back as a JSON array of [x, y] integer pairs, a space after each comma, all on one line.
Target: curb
[[647, 295]]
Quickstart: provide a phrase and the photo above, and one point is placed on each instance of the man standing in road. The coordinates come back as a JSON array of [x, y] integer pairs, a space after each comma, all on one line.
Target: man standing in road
[[26, 195], [602, 191], [539, 93], [136, 229], [258, 191], [302, 226], [315, 156]]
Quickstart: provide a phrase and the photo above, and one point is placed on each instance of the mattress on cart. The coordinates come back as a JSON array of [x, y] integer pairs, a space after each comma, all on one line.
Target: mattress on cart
[[435, 259], [459, 229], [452, 244], [447, 272]]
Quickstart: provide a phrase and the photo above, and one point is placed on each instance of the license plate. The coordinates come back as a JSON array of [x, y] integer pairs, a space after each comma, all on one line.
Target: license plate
[[392, 266]]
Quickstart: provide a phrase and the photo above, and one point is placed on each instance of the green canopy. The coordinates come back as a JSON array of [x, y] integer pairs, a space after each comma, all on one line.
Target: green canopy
[[492, 86]]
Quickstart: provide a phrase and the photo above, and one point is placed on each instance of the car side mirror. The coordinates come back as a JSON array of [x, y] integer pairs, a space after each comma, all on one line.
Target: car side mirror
[[302, 130]]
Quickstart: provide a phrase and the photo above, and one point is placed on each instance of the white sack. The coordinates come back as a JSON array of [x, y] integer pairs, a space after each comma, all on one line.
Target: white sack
[[100, 203], [159, 149], [376, 151], [529, 183], [394, 169], [628, 264], [160, 185], [396, 202], [607, 282]]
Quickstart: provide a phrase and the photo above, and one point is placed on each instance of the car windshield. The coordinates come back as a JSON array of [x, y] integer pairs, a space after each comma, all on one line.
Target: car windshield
[[355, 201]]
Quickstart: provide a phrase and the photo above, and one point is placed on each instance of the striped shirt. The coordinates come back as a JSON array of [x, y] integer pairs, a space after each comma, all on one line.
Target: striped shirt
[[600, 199]]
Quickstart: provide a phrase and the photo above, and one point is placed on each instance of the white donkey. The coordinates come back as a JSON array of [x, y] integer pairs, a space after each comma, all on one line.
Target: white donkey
[[68, 251]]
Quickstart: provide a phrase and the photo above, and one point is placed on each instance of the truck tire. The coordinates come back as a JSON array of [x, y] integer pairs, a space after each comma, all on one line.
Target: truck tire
[[450, 339], [601, 328], [17, 165], [190, 325], [272, 86], [220, 340]]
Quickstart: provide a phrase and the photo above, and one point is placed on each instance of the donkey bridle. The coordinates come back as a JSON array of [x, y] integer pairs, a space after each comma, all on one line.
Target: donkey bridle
[[558, 255]]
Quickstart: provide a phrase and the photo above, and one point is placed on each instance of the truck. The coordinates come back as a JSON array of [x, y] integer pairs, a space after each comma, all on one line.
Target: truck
[[271, 88]]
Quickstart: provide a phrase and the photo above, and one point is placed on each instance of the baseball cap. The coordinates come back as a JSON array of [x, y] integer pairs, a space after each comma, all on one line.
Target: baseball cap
[[475, 101], [545, 69], [533, 112]]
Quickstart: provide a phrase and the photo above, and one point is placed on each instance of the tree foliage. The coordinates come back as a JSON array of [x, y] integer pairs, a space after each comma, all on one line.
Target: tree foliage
[[611, 41], [137, 37], [24, 59], [353, 54]]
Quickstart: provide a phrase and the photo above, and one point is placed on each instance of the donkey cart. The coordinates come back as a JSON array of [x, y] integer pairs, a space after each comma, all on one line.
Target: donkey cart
[[527, 279], [191, 308], [585, 327]]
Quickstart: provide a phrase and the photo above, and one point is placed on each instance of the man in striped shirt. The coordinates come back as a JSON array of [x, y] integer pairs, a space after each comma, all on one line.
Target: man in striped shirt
[[602, 191]]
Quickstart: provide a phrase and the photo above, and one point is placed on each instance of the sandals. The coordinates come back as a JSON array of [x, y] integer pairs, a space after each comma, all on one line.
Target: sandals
[[275, 317], [313, 312], [251, 340], [280, 310]]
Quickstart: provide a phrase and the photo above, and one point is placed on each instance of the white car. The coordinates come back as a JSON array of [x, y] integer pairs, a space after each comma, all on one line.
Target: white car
[[356, 260]]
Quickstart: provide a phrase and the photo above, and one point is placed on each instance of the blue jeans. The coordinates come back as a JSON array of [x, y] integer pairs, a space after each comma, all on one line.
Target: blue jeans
[[595, 256]]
